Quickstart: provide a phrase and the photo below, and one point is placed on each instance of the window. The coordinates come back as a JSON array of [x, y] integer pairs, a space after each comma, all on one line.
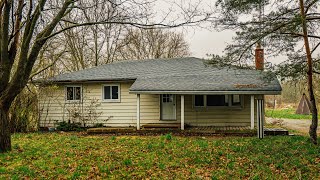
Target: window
[[236, 100], [111, 93], [198, 100], [217, 100], [167, 98], [73, 93]]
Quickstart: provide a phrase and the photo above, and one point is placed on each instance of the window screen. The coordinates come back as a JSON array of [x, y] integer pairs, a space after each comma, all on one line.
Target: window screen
[[77, 94], [73, 93], [115, 90], [199, 100], [111, 92], [107, 92], [217, 100], [69, 93]]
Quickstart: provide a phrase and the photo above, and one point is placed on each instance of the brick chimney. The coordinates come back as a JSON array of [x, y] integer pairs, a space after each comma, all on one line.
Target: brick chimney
[[259, 57]]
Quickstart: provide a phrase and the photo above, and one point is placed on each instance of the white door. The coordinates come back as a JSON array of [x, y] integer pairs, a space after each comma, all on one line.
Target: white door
[[168, 107]]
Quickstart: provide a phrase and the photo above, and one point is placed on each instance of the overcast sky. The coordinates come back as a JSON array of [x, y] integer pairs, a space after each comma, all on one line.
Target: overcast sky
[[203, 41]]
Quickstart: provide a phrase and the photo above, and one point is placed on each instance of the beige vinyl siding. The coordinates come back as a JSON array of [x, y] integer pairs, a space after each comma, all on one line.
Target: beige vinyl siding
[[217, 116], [214, 116], [54, 108]]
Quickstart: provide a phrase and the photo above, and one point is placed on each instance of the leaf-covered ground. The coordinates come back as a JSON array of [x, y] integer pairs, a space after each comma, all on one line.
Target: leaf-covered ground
[[74, 156]]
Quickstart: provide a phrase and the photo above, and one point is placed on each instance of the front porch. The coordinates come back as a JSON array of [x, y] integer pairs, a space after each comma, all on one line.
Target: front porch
[[251, 105], [190, 131]]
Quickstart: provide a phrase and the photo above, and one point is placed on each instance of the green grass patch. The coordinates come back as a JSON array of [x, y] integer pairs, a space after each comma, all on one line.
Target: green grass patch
[[72, 156], [286, 114]]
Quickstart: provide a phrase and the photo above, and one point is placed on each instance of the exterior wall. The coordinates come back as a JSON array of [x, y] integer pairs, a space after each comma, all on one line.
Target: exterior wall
[[53, 108], [216, 116]]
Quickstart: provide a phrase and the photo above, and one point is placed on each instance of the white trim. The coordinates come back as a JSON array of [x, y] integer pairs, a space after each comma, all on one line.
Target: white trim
[[138, 111], [207, 92], [73, 101], [252, 111], [182, 112], [111, 100]]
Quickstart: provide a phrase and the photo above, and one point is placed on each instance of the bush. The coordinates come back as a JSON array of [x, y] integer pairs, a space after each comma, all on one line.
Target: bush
[[65, 126], [97, 125]]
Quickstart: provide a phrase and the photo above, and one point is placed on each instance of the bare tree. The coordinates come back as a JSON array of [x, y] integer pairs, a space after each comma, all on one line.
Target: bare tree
[[25, 27], [153, 43]]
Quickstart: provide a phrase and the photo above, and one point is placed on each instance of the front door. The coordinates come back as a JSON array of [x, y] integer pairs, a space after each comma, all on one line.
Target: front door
[[168, 107]]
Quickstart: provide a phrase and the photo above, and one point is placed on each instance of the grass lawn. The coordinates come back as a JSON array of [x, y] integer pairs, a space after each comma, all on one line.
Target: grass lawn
[[285, 113], [72, 156]]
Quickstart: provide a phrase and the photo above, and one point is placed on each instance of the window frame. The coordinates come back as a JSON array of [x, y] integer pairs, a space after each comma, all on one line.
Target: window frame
[[230, 106], [66, 93], [111, 100]]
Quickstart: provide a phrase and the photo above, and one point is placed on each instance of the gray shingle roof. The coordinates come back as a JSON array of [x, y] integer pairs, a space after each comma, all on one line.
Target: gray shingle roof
[[178, 74]]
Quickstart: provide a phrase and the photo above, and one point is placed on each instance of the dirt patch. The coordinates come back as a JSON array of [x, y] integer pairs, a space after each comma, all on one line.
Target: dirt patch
[[300, 125]]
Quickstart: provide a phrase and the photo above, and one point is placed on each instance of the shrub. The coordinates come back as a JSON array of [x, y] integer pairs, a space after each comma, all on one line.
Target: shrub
[[65, 126], [97, 125]]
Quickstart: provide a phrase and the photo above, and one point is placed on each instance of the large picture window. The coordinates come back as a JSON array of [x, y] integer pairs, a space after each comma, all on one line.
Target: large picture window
[[199, 100], [111, 93], [73, 93], [217, 100]]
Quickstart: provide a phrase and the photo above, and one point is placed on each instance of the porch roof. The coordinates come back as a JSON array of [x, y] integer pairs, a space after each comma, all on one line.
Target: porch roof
[[228, 83]]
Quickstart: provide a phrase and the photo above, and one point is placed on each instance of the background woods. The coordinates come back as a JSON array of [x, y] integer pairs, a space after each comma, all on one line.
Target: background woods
[[36, 35]]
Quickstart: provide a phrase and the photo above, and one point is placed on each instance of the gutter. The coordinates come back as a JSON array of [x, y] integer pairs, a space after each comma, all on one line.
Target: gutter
[[80, 81], [208, 92]]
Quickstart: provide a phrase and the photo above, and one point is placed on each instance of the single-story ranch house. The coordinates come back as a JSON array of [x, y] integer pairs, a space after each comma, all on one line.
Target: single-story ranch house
[[184, 91]]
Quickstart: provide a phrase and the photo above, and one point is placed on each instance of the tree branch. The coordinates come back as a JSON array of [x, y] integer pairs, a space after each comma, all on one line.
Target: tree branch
[[43, 69], [299, 34], [16, 32], [138, 25], [316, 72], [5, 62]]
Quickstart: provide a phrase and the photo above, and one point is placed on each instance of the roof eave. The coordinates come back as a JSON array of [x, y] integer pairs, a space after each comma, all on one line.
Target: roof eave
[[81, 81], [207, 92]]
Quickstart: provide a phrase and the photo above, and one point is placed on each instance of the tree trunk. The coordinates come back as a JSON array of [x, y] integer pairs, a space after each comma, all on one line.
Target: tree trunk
[[314, 123], [5, 134]]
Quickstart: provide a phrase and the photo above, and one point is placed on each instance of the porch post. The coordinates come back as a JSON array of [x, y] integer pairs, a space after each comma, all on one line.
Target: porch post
[[138, 111], [260, 117], [252, 111], [182, 112]]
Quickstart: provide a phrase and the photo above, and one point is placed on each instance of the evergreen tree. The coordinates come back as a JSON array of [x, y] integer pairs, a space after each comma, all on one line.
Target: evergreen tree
[[285, 27]]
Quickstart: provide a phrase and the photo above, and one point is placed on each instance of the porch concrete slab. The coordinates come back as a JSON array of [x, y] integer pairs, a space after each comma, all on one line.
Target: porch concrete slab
[[189, 131], [275, 131], [158, 125]]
